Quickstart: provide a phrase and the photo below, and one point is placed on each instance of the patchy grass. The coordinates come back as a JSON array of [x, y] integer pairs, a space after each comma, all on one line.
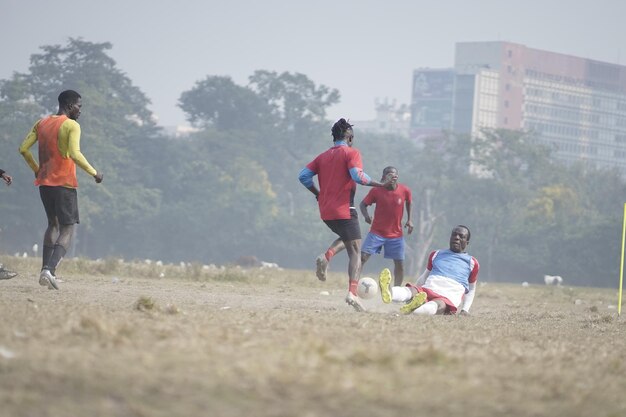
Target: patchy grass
[[120, 339]]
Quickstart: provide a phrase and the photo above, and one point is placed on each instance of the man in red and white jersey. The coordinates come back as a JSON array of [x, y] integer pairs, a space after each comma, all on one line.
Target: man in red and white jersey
[[447, 285], [338, 170]]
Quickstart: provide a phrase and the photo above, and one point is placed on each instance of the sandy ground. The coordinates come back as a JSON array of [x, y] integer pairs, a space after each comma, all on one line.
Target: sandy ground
[[274, 343]]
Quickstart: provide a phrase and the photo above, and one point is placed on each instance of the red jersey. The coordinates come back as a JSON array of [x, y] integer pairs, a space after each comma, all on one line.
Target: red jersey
[[337, 187], [389, 210]]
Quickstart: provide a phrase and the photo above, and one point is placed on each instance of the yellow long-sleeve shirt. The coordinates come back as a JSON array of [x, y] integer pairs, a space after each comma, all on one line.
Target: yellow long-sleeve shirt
[[68, 143]]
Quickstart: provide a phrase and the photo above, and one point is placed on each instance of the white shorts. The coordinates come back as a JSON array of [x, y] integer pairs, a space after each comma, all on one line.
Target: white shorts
[[446, 287]]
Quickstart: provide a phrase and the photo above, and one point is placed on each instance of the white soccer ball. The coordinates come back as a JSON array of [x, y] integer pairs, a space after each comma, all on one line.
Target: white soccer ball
[[367, 288]]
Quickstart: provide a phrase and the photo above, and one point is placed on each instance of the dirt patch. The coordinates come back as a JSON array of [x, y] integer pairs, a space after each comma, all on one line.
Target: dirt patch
[[273, 343]]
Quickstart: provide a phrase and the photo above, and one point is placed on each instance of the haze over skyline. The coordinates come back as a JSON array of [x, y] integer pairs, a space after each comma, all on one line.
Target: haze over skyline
[[365, 49]]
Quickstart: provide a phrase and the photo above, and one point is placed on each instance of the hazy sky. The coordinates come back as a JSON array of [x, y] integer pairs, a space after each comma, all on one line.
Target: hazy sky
[[366, 49]]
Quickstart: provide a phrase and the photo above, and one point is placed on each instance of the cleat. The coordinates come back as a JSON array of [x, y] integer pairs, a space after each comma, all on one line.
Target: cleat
[[46, 278], [43, 280], [353, 301], [384, 281], [322, 267], [6, 274], [418, 300]]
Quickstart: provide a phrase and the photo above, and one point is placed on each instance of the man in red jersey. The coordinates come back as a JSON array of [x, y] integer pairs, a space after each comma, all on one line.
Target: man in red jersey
[[338, 170], [386, 230], [59, 153]]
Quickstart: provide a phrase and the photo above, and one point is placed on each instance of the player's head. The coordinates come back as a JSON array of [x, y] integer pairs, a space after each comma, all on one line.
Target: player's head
[[70, 104], [342, 130], [459, 238], [390, 171]]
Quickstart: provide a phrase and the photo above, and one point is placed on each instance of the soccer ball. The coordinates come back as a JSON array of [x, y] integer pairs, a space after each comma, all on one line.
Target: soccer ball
[[367, 288]]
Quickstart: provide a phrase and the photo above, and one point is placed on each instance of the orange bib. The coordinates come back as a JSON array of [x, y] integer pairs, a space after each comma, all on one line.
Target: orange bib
[[54, 168]]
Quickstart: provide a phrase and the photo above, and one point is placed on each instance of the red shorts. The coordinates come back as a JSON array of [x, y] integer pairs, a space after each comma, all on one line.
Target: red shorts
[[431, 296]]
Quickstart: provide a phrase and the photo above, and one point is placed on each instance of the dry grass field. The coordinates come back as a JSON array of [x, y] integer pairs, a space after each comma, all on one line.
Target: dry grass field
[[119, 339]]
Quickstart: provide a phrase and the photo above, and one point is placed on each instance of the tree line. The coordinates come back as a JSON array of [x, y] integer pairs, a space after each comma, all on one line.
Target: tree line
[[230, 190]]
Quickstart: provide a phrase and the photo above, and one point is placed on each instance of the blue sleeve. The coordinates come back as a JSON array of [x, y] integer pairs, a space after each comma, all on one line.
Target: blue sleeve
[[306, 177], [359, 176]]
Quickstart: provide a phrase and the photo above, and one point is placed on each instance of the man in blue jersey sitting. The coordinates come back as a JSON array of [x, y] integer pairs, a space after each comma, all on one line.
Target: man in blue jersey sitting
[[447, 285]]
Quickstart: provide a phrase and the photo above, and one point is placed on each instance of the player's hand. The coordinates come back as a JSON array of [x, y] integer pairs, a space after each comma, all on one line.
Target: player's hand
[[388, 181], [98, 177], [368, 219], [7, 178], [409, 227]]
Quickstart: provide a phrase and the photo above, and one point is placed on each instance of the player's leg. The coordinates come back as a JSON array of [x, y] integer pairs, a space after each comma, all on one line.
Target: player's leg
[[353, 247], [371, 244], [432, 307], [62, 244], [349, 231], [6, 274], [66, 208], [364, 257], [394, 249], [384, 283], [52, 230], [396, 294], [418, 298], [49, 199], [323, 259], [398, 272]]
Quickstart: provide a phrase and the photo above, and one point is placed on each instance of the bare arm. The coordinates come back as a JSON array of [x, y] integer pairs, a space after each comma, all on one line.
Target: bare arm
[[364, 212], [409, 223]]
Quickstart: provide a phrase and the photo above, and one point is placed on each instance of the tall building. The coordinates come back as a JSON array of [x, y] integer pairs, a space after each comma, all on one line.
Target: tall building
[[575, 105], [431, 102]]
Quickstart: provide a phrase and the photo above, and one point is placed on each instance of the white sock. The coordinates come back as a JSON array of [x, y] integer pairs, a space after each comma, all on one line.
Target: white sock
[[427, 309], [400, 294]]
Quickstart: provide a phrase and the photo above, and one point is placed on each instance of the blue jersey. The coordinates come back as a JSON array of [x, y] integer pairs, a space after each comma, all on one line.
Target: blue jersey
[[461, 267]]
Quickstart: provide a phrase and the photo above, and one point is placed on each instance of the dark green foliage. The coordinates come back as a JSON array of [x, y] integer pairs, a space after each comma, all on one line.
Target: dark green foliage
[[231, 189]]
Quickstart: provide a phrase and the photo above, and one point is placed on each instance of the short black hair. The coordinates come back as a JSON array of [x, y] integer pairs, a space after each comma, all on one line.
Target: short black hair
[[469, 233], [340, 128], [67, 98], [388, 169]]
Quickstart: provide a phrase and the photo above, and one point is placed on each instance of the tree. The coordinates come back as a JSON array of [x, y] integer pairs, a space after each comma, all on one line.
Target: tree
[[219, 102], [296, 100], [116, 124]]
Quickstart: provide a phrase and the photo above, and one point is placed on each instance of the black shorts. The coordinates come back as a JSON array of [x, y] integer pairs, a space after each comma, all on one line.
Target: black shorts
[[347, 229], [60, 202]]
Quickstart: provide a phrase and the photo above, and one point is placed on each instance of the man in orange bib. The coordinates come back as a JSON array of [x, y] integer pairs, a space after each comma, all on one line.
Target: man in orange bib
[[59, 153]]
